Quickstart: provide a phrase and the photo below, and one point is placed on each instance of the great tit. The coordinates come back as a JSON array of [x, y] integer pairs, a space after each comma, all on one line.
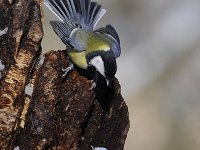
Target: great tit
[[86, 46]]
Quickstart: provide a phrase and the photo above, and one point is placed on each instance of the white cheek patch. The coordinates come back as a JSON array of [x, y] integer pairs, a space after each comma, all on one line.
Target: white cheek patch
[[98, 63]]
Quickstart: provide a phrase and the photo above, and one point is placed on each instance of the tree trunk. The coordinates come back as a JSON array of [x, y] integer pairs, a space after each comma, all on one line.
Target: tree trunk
[[39, 108]]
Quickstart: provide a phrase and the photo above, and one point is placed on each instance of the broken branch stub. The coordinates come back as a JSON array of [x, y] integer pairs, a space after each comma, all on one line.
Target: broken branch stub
[[40, 120], [64, 115]]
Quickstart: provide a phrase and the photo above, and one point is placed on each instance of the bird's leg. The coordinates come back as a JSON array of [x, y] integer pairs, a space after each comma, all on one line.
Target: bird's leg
[[94, 82], [68, 69]]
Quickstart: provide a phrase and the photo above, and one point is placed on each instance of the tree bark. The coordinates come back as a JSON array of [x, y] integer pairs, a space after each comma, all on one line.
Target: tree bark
[[39, 108], [21, 34]]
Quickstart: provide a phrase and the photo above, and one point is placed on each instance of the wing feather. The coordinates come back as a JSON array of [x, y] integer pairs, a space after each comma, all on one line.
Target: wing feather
[[111, 32]]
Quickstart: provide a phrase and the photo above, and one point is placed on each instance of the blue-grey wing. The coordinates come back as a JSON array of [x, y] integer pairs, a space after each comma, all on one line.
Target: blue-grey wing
[[78, 39], [70, 34], [111, 32]]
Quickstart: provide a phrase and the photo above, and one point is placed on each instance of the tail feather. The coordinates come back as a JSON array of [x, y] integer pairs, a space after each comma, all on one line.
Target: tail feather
[[84, 13], [88, 12], [93, 11], [99, 13], [65, 9], [54, 10], [71, 8]]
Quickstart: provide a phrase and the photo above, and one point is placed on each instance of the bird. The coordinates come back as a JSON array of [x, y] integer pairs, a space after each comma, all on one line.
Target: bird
[[86, 46]]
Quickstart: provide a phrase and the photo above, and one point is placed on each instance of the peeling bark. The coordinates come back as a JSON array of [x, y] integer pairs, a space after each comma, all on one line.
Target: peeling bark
[[39, 129], [39, 108], [21, 45]]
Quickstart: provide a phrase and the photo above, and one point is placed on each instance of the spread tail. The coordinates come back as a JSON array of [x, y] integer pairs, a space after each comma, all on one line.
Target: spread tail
[[83, 13]]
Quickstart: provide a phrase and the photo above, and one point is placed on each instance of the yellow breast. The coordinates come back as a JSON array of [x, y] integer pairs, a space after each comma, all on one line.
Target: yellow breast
[[95, 43], [78, 58]]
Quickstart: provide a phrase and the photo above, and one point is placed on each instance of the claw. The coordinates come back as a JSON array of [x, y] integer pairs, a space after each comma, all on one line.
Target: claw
[[93, 82], [93, 86], [68, 69]]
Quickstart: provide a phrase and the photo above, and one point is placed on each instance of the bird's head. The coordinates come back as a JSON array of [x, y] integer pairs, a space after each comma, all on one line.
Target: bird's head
[[105, 64]]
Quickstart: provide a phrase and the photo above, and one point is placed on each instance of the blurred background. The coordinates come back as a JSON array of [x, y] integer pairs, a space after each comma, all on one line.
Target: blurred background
[[159, 69]]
